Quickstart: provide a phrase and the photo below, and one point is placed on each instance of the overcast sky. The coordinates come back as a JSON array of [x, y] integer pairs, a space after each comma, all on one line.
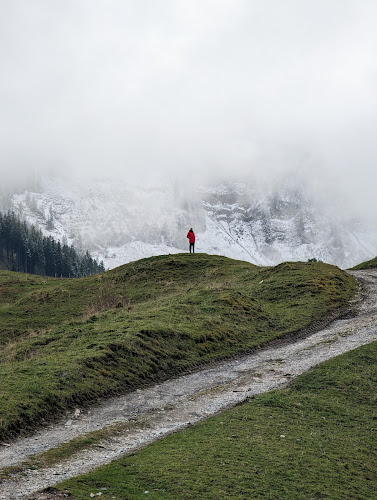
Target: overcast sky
[[199, 86]]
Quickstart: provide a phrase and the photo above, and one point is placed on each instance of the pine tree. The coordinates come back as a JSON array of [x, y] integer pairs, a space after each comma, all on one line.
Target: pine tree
[[24, 248]]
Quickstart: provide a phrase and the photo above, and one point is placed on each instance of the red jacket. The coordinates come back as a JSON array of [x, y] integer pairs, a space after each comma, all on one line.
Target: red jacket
[[191, 236]]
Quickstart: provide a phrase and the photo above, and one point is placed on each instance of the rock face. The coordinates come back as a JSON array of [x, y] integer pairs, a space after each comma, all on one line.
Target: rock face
[[119, 222]]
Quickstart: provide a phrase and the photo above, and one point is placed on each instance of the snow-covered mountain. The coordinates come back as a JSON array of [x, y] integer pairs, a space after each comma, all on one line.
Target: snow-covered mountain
[[120, 222]]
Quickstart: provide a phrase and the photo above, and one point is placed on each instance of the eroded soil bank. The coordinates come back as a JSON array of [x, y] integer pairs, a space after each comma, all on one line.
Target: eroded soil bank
[[152, 413]]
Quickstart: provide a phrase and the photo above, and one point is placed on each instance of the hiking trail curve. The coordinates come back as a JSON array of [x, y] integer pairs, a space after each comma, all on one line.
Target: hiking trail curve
[[149, 414]]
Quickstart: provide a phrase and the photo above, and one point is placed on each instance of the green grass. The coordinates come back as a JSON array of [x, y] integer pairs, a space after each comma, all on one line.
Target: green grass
[[66, 342], [370, 264], [314, 440]]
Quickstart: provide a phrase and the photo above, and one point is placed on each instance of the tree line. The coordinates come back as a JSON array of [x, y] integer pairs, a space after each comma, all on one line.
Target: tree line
[[23, 248]]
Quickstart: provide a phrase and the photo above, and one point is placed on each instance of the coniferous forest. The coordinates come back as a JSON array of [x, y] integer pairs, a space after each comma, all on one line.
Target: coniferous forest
[[24, 248]]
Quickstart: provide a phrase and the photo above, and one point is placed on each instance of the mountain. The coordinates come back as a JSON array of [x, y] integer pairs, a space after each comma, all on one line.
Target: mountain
[[121, 222]]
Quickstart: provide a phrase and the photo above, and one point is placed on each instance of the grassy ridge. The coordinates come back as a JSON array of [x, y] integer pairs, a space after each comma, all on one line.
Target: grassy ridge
[[370, 264], [313, 440], [67, 342]]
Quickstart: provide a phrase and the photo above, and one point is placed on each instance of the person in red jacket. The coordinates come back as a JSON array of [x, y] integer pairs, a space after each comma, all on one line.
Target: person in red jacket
[[191, 238]]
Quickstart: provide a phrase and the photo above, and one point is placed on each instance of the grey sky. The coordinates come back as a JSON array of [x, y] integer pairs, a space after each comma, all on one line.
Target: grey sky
[[200, 86]]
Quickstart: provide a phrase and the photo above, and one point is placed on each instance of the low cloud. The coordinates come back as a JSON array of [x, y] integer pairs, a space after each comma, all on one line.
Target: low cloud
[[192, 89]]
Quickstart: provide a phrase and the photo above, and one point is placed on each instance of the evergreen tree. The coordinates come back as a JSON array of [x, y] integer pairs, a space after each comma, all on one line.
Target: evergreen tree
[[24, 248]]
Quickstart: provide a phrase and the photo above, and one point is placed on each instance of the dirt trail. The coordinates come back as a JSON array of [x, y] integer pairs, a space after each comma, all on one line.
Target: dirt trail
[[155, 412]]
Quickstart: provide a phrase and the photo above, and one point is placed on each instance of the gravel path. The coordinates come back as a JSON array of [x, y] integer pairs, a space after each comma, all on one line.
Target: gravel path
[[155, 412]]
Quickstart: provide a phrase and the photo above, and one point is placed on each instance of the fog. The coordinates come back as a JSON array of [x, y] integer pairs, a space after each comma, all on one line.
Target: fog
[[193, 89]]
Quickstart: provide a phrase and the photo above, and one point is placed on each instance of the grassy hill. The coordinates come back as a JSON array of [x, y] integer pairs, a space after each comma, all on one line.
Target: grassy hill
[[71, 341], [370, 264], [315, 439]]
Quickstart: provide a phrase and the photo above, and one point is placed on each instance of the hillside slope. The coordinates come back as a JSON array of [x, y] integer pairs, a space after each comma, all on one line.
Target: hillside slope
[[72, 341], [370, 264]]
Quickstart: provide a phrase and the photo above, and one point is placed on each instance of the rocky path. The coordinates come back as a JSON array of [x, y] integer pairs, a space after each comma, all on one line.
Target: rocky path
[[152, 413]]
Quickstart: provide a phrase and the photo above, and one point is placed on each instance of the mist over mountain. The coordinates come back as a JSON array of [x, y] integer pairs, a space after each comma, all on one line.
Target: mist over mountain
[[260, 118], [120, 222]]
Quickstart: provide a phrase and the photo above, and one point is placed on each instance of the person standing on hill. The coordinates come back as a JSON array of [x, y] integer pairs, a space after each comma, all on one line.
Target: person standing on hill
[[191, 238]]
